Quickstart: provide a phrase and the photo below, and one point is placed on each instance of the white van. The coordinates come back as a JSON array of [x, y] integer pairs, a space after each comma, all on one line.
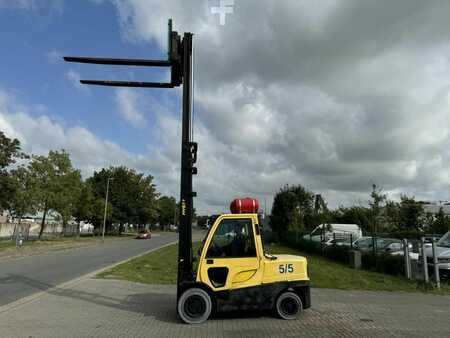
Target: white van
[[325, 232]]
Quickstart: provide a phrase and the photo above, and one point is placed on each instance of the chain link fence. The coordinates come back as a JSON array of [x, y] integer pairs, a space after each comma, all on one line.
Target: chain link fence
[[30, 231], [411, 258]]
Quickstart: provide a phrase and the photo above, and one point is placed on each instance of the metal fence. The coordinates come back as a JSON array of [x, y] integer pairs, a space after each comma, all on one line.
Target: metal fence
[[30, 231], [416, 259]]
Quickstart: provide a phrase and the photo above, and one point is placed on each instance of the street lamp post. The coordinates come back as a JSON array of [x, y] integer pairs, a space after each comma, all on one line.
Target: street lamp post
[[106, 207]]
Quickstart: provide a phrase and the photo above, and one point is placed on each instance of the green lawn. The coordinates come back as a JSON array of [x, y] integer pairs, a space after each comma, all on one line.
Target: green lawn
[[7, 247], [157, 267], [325, 273], [160, 267], [6, 244]]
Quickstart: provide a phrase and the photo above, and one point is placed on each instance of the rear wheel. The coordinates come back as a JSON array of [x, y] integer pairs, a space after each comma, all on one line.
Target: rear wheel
[[288, 305], [194, 306]]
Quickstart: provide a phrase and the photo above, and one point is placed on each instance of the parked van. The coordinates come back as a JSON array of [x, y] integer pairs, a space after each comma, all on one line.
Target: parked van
[[325, 232]]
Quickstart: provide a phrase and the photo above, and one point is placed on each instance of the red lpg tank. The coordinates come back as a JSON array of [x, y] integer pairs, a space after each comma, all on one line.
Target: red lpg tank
[[244, 206]]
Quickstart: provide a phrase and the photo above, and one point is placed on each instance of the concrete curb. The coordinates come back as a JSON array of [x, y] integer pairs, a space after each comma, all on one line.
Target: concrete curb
[[31, 298]]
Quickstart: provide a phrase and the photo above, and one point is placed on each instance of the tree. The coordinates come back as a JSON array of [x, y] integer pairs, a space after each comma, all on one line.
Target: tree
[[201, 221], [167, 211], [352, 215], [410, 213], [292, 209], [97, 213], [392, 212], [132, 195], [442, 222], [429, 222], [24, 199], [147, 202], [9, 152], [57, 184], [375, 206], [84, 205], [68, 194]]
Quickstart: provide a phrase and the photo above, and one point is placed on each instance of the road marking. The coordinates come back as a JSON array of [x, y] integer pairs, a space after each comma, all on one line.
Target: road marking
[[35, 296]]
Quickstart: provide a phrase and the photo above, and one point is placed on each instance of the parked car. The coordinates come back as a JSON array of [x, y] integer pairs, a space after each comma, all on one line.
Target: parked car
[[144, 234], [391, 246], [364, 243], [443, 253]]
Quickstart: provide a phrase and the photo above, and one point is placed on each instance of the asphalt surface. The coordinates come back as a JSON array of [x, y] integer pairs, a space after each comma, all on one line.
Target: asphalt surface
[[24, 276]]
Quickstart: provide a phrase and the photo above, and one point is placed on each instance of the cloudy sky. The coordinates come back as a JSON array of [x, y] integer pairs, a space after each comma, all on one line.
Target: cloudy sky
[[333, 95]]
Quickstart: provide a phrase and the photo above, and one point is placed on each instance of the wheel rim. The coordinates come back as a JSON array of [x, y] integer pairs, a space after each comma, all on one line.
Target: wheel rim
[[289, 306], [195, 306]]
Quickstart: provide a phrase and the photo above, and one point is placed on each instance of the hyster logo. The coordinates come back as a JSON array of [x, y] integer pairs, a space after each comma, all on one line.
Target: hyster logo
[[183, 208], [225, 7]]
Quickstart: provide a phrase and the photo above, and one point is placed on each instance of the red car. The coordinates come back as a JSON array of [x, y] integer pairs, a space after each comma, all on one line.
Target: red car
[[144, 234]]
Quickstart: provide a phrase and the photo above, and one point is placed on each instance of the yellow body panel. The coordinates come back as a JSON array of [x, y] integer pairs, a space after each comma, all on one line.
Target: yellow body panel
[[250, 271], [272, 268]]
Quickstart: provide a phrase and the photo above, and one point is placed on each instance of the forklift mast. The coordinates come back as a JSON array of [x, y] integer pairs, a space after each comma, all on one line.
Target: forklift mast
[[180, 62], [188, 159]]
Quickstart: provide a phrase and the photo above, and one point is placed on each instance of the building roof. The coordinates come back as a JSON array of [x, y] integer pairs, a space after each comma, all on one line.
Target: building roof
[[434, 209]]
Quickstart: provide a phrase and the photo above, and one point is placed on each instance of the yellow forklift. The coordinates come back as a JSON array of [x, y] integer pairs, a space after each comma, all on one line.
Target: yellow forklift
[[234, 272]]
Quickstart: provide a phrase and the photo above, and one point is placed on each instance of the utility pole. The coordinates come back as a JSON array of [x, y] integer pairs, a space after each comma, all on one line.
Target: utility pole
[[106, 207]]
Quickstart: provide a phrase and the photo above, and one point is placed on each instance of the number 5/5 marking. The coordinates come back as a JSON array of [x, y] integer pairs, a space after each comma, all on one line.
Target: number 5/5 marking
[[286, 268]]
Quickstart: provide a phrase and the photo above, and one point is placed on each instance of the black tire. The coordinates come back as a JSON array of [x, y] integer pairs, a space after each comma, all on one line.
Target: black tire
[[194, 306], [288, 305]]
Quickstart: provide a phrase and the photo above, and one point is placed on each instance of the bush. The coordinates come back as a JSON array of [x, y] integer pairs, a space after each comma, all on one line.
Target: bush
[[337, 253], [384, 263], [269, 237]]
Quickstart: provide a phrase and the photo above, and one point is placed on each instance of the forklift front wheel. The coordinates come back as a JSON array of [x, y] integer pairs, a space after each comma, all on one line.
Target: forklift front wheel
[[288, 305], [194, 306]]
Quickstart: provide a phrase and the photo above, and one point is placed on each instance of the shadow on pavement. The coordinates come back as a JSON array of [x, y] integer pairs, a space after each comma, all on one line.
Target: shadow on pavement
[[158, 305], [161, 305]]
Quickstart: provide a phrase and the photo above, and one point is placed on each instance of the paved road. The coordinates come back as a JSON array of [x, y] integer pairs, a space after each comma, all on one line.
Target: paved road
[[25, 276], [109, 308]]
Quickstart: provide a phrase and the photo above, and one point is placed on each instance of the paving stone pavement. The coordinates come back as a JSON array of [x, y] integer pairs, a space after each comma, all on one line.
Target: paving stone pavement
[[109, 308]]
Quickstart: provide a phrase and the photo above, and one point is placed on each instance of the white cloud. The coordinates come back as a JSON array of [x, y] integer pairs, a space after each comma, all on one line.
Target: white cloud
[[54, 56], [88, 152], [128, 102], [335, 96], [74, 78], [20, 4], [33, 5], [332, 95]]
